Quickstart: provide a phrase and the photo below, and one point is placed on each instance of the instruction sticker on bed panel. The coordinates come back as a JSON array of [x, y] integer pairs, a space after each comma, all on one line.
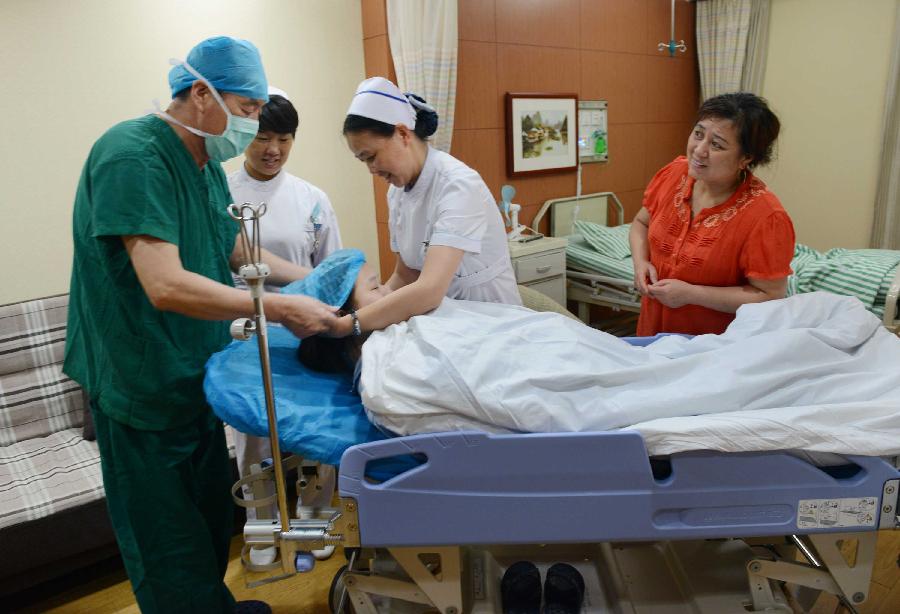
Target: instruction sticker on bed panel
[[836, 513]]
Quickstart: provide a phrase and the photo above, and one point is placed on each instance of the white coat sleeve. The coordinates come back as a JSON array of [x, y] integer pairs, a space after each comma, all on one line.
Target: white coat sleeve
[[461, 219]]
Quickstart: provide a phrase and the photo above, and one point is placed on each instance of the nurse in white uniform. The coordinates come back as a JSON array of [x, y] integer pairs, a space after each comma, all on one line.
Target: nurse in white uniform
[[444, 224], [299, 224]]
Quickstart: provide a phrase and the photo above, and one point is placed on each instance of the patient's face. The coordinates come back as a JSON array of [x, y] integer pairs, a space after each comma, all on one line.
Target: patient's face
[[368, 288]]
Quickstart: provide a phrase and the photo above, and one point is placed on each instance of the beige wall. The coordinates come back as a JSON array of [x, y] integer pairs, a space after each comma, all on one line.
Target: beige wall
[[825, 77], [70, 70]]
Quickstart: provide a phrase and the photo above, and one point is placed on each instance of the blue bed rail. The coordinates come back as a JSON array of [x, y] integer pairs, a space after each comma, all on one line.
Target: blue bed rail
[[478, 488]]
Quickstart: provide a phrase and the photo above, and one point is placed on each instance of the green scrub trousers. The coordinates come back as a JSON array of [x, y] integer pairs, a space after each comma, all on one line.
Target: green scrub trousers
[[169, 499]]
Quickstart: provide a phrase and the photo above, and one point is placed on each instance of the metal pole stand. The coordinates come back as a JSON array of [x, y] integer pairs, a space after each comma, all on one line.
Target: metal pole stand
[[286, 535]]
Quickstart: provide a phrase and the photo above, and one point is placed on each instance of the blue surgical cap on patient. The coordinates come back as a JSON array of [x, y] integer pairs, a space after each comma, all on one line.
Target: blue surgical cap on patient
[[333, 279], [229, 64]]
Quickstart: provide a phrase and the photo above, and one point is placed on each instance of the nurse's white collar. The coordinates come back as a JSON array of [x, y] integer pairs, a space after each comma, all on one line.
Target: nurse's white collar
[[425, 175], [264, 186]]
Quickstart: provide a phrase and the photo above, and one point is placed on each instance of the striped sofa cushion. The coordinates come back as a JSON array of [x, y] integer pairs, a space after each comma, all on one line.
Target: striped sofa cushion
[[41, 476], [45, 464], [36, 398]]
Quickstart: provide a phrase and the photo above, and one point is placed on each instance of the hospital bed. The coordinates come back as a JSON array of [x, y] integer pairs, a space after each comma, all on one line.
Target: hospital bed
[[429, 522], [600, 271], [644, 533]]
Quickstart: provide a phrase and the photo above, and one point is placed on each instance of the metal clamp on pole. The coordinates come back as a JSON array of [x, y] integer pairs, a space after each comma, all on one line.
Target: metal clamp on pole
[[254, 272]]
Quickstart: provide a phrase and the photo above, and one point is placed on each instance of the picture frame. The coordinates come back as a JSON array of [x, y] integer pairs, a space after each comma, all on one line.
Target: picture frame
[[541, 133]]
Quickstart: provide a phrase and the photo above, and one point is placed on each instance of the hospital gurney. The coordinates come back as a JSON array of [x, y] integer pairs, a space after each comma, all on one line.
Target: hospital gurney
[[440, 533], [470, 504], [600, 271], [436, 533]]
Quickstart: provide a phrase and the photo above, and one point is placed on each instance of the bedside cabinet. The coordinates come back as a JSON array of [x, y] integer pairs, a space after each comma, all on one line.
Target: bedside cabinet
[[541, 265]]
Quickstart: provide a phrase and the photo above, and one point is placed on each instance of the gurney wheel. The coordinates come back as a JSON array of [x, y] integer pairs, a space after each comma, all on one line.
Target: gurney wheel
[[334, 594]]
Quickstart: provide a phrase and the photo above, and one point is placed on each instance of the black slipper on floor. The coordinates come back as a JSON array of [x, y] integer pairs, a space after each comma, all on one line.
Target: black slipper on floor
[[563, 590], [520, 589], [252, 606]]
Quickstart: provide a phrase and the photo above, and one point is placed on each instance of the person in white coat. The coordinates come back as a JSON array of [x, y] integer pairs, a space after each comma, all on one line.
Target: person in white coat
[[300, 226], [444, 224]]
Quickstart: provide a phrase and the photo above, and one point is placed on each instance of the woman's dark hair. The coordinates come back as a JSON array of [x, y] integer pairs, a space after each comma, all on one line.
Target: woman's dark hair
[[757, 126], [426, 123], [330, 355], [327, 354], [278, 116]]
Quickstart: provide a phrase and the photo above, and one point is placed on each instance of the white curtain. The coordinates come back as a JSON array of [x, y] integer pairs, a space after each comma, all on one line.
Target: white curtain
[[722, 28], [424, 40], [886, 226], [757, 47]]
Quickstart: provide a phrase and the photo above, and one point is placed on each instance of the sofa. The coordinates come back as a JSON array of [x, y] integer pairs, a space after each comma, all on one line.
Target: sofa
[[53, 517], [52, 509]]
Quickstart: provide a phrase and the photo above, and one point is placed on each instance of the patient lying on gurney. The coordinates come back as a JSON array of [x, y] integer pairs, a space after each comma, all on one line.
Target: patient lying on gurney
[[814, 372]]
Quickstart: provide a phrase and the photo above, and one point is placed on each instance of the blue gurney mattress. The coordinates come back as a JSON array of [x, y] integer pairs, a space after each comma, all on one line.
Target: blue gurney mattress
[[325, 407]]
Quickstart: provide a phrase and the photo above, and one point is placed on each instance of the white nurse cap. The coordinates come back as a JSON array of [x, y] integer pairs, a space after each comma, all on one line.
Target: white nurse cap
[[274, 91], [379, 99]]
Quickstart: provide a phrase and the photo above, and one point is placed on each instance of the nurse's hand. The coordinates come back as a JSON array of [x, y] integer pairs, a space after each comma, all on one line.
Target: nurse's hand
[[644, 275], [302, 315], [672, 293]]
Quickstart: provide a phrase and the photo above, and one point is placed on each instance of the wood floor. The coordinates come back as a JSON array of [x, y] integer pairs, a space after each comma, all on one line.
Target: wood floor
[[308, 593]]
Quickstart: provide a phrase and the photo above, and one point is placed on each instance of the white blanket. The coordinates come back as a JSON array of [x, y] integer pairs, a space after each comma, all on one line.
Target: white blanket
[[813, 372]]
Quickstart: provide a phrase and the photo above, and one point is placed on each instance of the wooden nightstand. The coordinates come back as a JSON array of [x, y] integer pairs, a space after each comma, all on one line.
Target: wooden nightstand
[[541, 265]]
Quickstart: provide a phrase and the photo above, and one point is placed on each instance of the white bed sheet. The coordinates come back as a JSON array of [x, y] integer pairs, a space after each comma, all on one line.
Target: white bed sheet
[[814, 372]]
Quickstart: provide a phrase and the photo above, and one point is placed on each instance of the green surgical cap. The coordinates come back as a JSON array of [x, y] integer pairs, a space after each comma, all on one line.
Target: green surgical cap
[[229, 64], [333, 279]]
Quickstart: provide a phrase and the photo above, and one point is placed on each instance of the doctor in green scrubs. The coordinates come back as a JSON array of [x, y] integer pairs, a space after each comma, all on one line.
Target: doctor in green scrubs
[[151, 299]]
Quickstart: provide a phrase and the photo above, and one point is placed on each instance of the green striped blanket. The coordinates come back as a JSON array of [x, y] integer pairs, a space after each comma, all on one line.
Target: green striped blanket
[[863, 273]]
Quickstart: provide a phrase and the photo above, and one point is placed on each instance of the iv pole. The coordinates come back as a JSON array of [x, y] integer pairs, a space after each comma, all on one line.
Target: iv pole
[[254, 272], [287, 534], [671, 46]]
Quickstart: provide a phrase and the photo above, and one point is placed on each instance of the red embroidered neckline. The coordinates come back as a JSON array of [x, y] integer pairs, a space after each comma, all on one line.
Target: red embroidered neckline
[[754, 189]]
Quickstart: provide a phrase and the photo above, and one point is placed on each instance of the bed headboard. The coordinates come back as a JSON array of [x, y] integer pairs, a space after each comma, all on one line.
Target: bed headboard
[[591, 208]]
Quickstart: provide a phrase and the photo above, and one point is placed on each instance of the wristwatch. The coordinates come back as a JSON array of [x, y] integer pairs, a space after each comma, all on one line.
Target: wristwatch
[[357, 330]]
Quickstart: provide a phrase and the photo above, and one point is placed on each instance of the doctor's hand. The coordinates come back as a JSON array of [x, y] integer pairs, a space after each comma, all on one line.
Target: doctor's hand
[[644, 275], [341, 327], [672, 293], [302, 315]]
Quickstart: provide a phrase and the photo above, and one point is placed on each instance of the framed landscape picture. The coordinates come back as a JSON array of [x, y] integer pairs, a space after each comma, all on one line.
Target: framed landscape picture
[[541, 133]]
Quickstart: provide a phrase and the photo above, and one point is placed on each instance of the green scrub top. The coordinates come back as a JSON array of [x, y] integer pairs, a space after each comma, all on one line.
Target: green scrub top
[[144, 367]]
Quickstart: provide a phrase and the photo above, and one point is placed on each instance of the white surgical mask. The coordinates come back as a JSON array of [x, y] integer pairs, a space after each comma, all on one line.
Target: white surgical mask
[[239, 131]]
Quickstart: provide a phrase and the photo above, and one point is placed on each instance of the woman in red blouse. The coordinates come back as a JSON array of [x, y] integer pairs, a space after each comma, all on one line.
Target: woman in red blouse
[[710, 236]]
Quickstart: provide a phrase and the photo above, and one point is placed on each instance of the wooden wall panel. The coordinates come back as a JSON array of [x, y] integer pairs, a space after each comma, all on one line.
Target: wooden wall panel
[[666, 101], [476, 87], [614, 25], [378, 62], [380, 187], [386, 256], [374, 18], [523, 68], [667, 142], [477, 20], [483, 151], [542, 23], [621, 80]]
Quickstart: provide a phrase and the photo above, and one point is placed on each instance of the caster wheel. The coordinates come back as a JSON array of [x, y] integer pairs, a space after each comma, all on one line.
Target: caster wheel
[[335, 592]]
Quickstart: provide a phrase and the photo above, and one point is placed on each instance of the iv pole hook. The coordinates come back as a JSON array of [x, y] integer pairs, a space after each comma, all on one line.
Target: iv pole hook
[[672, 46]]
